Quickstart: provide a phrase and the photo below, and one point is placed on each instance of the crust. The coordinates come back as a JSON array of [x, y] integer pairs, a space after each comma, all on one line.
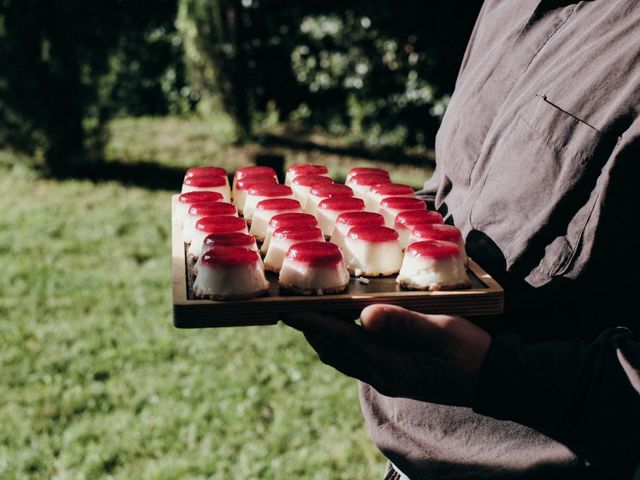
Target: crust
[[434, 288], [271, 269], [311, 291], [371, 275], [222, 298]]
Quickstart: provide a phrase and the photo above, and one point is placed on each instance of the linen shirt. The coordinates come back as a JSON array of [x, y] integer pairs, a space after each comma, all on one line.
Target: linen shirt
[[538, 163]]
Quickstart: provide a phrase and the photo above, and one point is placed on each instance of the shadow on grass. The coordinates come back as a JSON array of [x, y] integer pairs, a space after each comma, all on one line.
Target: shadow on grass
[[144, 174], [395, 155]]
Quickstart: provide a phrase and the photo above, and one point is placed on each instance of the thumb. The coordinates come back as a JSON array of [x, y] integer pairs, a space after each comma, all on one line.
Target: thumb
[[405, 325]]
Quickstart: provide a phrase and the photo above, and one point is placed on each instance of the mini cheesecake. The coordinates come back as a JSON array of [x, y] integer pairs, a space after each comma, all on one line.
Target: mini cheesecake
[[212, 183], [330, 208], [283, 238], [322, 191], [390, 207], [304, 169], [187, 199], [361, 184], [438, 231], [314, 268], [209, 225], [251, 171], [207, 172], [383, 190], [373, 251], [243, 186], [406, 221], [201, 210], [286, 220], [433, 265], [232, 274], [346, 221], [302, 185], [365, 171], [222, 241], [260, 192], [266, 209]]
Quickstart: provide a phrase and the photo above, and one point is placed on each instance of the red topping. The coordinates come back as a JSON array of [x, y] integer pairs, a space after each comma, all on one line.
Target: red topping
[[235, 239], [437, 231], [310, 180], [298, 232], [205, 182], [355, 219], [307, 169], [254, 171], [369, 180], [231, 256], [331, 190], [341, 204], [410, 218], [247, 183], [266, 190], [433, 249], [315, 254], [199, 197], [289, 219], [391, 189], [211, 209], [366, 171], [205, 172], [373, 233], [278, 204], [403, 203], [221, 225]]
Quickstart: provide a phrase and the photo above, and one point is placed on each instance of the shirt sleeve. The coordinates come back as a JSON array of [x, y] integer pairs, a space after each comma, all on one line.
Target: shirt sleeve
[[586, 396]]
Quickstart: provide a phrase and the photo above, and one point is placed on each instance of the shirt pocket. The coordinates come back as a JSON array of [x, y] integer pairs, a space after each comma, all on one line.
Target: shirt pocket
[[542, 170]]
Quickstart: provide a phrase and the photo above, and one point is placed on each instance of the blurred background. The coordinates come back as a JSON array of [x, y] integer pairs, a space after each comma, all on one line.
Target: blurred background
[[103, 105]]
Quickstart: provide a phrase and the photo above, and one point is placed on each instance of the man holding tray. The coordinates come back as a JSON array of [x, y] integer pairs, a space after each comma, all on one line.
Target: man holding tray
[[538, 163]]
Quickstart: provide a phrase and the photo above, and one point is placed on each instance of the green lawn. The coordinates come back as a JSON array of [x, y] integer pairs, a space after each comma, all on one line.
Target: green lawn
[[95, 382]]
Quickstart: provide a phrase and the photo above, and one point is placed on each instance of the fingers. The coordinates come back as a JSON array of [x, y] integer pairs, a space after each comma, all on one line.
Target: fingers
[[405, 325]]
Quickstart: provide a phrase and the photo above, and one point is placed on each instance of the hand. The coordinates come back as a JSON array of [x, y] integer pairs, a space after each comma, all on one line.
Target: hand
[[401, 353]]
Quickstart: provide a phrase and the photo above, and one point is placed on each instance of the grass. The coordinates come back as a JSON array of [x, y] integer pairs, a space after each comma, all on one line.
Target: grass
[[94, 380]]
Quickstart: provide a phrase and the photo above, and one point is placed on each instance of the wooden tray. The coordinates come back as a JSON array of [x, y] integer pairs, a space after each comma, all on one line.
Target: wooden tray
[[485, 297]]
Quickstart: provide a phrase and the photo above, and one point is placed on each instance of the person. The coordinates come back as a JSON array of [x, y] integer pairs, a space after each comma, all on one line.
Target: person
[[537, 162]]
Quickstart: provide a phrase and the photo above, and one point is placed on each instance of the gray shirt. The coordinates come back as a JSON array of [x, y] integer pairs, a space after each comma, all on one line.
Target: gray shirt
[[538, 160]]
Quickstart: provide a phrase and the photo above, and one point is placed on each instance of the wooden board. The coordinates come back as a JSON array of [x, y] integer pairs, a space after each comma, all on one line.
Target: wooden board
[[485, 297]]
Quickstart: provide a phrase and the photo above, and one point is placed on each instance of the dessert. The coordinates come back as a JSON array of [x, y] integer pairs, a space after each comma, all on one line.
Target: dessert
[[233, 274], [286, 220], [330, 208], [346, 221], [438, 231], [201, 210], [243, 186], [283, 238], [222, 241], [383, 190], [212, 183], [372, 251], [314, 268], [260, 192], [406, 221], [302, 184], [208, 225], [304, 169], [244, 173], [187, 199], [365, 171], [322, 191], [207, 172], [266, 209], [363, 182], [390, 207], [433, 265]]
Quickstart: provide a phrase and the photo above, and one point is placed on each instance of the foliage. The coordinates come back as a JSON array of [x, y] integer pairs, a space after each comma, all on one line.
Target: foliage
[[381, 72]]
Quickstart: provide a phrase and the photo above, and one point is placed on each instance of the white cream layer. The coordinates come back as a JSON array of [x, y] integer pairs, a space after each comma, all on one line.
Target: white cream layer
[[303, 276], [261, 219], [372, 258], [234, 280], [424, 272]]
